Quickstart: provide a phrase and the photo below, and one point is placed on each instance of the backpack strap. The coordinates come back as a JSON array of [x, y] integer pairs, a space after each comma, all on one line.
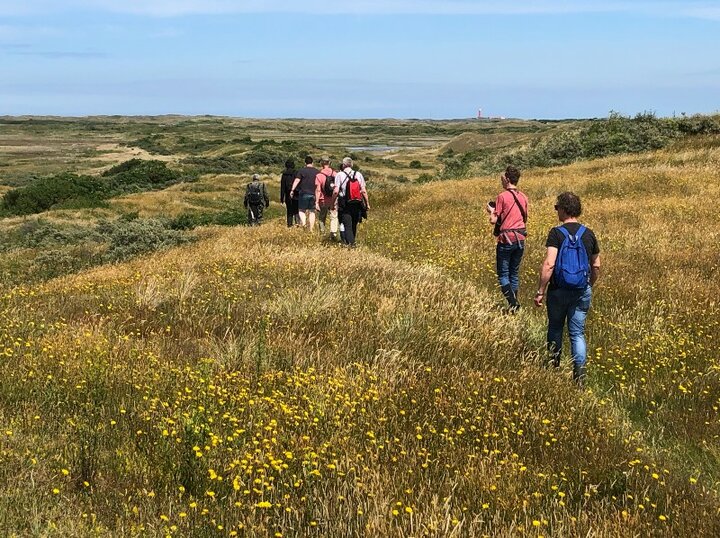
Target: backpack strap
[[577, 236], [520, 207], [348, 178]]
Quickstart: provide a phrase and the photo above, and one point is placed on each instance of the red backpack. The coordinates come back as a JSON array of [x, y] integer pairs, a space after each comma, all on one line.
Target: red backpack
[[353, 191]]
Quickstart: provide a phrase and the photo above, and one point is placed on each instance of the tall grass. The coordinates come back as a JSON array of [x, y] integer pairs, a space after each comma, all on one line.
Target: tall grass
[[260, 383]]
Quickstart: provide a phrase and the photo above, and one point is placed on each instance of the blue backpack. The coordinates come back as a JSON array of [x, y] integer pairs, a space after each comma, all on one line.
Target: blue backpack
[[572, 267]]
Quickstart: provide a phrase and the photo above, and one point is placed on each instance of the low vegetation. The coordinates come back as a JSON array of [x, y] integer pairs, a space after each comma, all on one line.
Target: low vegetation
[[615, 135], [260, 382], [71, 191]]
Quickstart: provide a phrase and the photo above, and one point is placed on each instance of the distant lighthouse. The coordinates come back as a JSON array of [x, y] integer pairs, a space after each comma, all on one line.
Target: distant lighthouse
[[479, 114]]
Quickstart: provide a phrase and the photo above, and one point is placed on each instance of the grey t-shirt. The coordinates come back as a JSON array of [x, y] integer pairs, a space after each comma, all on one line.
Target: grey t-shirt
[[308, 176]]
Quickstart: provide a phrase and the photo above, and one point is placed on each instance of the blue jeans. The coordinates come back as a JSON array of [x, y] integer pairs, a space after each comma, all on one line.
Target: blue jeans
[[507, 258], [573, 306]]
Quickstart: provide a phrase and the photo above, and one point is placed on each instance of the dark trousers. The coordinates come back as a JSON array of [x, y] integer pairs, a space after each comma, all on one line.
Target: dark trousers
[[350, 217], [508, 257], [291, 206], [255, 213]]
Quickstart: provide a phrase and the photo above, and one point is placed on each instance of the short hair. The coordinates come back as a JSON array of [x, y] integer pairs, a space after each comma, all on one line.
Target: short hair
[[570, 204], [347, 161], [308, 160], [512, 174], [325, 160], [289, 164]]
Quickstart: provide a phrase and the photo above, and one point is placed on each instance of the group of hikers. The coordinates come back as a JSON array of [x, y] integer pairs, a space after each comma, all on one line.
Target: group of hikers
[[341, 195], [570, 269], [568, 273]]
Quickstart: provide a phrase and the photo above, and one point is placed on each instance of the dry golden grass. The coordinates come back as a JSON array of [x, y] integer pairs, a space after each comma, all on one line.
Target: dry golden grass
[[260, 383]]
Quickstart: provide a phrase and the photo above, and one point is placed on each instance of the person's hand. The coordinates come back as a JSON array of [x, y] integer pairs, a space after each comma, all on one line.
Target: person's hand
[[539, 299], [317, 207]]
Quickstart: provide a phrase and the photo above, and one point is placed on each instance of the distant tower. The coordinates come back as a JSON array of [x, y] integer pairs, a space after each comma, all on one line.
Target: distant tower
[[479, 113]]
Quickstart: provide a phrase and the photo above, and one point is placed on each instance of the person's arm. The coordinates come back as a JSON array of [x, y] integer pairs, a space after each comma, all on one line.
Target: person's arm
[[294, 185], [336, 190], [594, 269], [496, 211], [247, 193], [283, 183], [317, 194], [546, 271], [365, 194]]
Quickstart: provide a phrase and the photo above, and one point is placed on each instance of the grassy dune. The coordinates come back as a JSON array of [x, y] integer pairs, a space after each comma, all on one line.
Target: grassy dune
[[261, 383]]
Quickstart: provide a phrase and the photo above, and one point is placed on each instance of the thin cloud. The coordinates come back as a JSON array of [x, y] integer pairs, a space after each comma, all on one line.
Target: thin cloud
[[60, 54], [175, 8]]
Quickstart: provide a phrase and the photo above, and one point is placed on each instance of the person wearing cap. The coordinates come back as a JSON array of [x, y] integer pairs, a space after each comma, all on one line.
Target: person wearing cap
[[307, 190], [328, 200], [256, 198]]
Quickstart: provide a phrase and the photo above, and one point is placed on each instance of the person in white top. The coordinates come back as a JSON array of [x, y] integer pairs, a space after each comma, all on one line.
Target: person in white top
[[353, 202]]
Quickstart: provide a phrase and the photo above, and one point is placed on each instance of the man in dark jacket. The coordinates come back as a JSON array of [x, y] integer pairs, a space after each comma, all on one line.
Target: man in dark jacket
[[291, 204], [256, 197]]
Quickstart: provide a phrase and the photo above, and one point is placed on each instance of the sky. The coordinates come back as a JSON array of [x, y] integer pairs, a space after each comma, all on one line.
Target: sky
[[359, 59]]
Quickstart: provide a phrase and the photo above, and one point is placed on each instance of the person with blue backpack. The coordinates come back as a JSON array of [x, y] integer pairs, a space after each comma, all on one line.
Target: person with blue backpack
[[567, 276]]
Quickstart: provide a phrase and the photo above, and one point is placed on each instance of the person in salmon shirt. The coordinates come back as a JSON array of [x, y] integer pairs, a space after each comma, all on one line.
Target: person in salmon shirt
[[509, 214]]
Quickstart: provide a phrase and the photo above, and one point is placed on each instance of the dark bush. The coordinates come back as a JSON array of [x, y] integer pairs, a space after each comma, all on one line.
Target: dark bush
[[415, 164], [46, 193], [140, 175]]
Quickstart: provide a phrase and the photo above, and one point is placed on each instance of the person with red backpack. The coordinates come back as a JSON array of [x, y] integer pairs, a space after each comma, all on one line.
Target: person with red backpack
[[567, 276], [328, 200], [509, 214], [353, 202]]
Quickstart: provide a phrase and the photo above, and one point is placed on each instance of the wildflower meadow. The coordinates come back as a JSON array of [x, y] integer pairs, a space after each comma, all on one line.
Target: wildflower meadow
[[262, 382]]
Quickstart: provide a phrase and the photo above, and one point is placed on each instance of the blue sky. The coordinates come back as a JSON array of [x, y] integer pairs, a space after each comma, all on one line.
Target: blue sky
[[359, 59]]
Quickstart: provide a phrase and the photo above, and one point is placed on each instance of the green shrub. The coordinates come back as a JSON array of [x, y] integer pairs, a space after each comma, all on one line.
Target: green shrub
[[415, 164], [140, 175], [217, 165], [127, 239], [151, 144], [53, 263], [456, 168], [46, 193], [599, 138]]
